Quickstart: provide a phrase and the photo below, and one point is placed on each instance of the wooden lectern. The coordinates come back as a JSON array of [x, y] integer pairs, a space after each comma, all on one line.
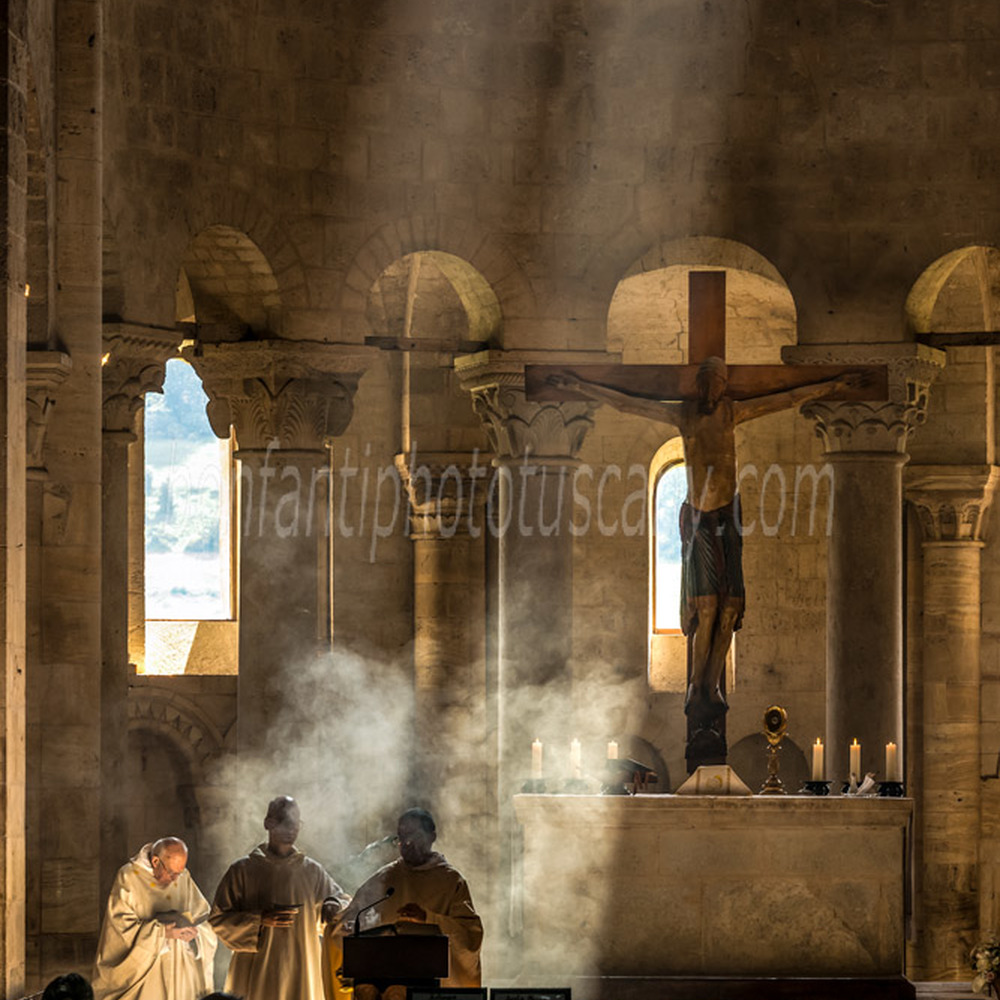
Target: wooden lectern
[[384, 957]]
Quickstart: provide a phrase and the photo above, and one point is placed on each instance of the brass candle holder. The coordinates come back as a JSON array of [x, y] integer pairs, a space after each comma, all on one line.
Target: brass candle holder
[[775, 724]]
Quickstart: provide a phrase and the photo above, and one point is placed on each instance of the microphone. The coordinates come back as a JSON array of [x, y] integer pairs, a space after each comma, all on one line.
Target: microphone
[[357, 919], [377, 843]]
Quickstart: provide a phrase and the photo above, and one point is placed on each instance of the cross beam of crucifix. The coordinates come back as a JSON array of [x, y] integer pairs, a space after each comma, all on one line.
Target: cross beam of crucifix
[[706, 338]]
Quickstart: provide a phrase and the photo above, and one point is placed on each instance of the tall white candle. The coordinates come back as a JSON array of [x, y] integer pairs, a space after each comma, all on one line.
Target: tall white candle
[[856, 758], [575, 760], [891, 762], [536, 760], [612, 749], [818, 769]]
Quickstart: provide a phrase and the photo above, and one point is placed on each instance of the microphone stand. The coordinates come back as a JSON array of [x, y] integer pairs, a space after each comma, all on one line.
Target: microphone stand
[[364, 909]]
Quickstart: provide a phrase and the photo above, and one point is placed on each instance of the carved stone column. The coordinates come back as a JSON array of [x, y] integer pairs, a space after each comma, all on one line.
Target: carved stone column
[[283, 400], [528, 504], [866, 445], [14, 62], [71, 544], [46, 371], [135, 362], [952, 502], [454, 772]]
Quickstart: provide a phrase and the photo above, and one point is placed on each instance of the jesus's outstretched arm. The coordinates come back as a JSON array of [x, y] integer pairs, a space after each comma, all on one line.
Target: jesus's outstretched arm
[[759, 406], [653, 409]]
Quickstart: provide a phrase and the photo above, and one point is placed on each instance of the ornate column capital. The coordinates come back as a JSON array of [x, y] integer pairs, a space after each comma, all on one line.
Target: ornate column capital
[[952, 501], [873, 426], [518, 427], [45, 372], [444, 490], [296, 393], [134, 363]]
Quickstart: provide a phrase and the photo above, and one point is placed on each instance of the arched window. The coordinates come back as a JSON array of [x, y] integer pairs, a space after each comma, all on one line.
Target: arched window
[[667, 645], [668, 495], [187, 519]]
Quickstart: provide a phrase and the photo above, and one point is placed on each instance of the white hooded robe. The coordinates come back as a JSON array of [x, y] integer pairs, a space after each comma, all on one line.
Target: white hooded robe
[[273, 963], [135, 959]]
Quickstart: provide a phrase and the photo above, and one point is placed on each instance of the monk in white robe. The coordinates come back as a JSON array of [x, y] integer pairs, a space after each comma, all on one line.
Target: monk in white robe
[[269, 909], [156, 943], [426, 889]]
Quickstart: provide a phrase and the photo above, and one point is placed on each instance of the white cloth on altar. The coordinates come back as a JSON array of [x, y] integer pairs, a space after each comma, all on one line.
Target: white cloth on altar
[[135, 959], [274, 963], [443, 893]]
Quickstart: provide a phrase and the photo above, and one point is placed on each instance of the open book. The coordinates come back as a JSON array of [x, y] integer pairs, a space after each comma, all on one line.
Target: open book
[[178, 918], [404, 928]]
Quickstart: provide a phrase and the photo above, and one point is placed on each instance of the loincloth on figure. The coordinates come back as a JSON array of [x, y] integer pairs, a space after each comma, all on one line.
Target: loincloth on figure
[[712, 559]]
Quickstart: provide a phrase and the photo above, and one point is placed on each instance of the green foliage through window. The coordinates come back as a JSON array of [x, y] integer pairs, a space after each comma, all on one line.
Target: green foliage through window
[[671, 489], [187, 503]]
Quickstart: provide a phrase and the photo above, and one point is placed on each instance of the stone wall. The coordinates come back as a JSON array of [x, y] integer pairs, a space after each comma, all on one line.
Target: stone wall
[[555, 148]]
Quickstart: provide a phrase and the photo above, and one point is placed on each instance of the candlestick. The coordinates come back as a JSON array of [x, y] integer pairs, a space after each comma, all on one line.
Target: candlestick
[[892, 763], [613, 750], [536, 760], [818, 768], [855, 749], [575, 762]]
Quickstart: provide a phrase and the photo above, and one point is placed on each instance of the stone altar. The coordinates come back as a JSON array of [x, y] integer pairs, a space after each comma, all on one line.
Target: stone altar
[[694, 888]]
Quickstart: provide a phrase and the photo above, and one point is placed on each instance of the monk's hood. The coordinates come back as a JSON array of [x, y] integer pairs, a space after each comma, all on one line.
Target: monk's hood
[[435, 860]]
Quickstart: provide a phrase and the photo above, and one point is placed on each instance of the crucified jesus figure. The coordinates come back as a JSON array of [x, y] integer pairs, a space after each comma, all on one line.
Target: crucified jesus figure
[[712, 592]]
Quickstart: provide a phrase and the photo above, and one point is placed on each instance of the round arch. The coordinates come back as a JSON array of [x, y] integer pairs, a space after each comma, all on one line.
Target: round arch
[[648, 311], [477, 250], [434, 297], [181, 722], [226, 285], [959, 291]]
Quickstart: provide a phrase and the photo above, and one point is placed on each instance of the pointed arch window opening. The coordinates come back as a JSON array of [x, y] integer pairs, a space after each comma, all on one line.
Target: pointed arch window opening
[[188, 505]]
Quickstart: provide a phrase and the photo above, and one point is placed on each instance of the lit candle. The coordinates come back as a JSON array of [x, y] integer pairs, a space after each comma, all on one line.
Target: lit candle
[[818, 769], [575, 761], [855, 749], [612, 749], [891, 763], [536, 760]]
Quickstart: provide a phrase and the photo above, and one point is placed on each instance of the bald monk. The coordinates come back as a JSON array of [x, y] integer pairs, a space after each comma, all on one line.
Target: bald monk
[[269, 909], [712, 591], [156, 943]]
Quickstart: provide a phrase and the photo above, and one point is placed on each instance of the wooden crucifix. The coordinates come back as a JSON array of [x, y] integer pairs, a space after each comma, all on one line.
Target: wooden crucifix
[[705, 400]]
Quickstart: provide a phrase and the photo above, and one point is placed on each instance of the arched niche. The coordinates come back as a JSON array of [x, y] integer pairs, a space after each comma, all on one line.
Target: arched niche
[[434, 300], [227, 287], [175, 750], [958, 292], [648, 313]]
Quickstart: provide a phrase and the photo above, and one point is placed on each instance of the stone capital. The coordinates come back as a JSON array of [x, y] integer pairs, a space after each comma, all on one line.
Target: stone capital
[[863, 427], [952, 501], [912, 367], [516, 426], [444, 490], [134, 363], [873, 426], [45, 372], [289, 395]]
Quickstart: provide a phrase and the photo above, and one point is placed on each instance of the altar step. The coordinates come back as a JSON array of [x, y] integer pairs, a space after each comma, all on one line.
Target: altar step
[[732, 988], [946, 991]]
